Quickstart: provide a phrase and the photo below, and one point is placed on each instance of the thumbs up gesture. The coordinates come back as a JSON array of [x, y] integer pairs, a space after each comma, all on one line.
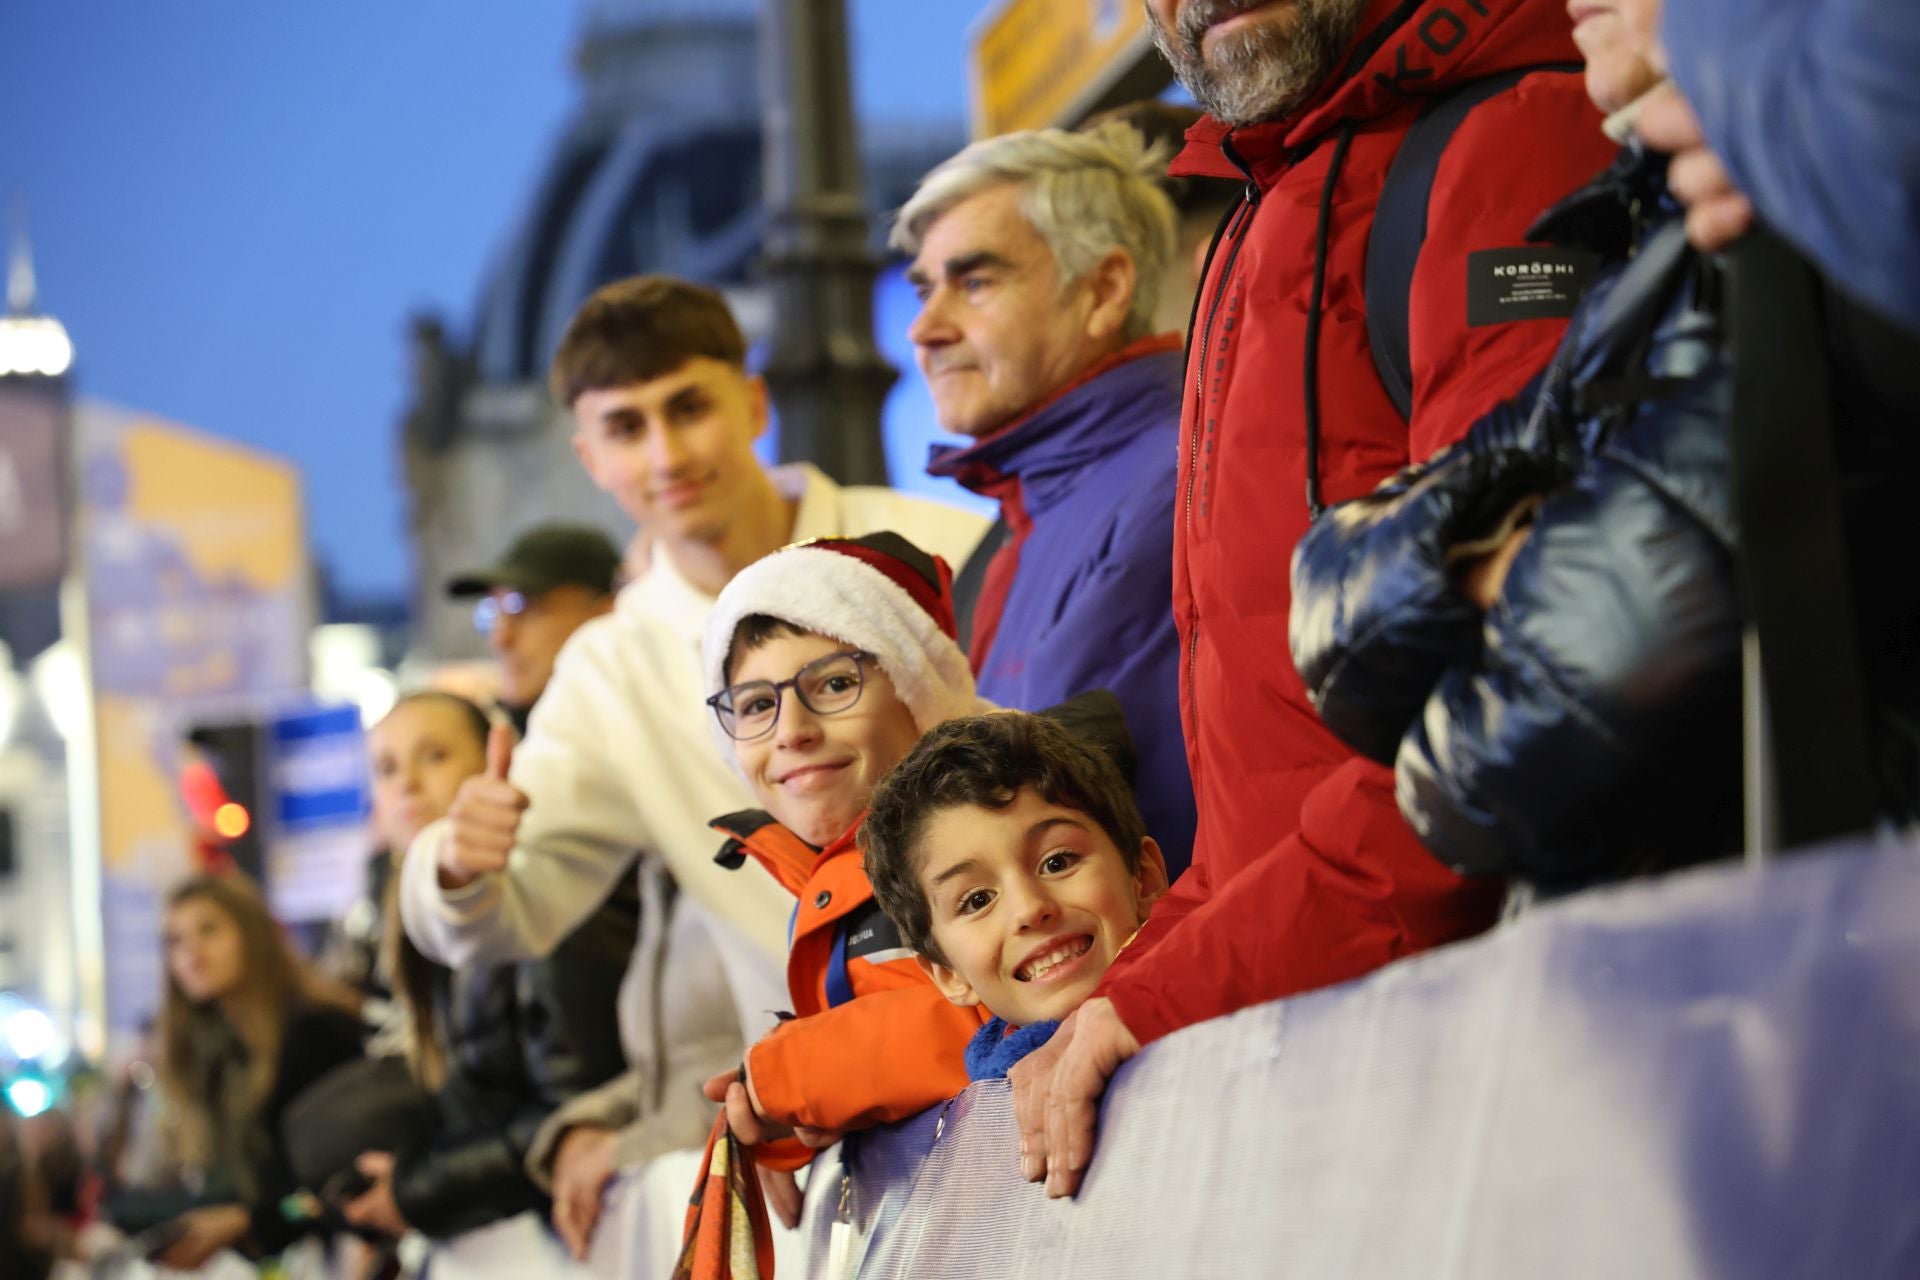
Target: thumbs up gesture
[[484, 817]]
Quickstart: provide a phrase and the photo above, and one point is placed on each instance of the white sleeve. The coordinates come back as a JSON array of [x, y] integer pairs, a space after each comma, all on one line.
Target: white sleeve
[[613, 763]]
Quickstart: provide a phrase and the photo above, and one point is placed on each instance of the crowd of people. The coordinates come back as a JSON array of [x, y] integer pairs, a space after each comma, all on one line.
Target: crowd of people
[[1410, 580]]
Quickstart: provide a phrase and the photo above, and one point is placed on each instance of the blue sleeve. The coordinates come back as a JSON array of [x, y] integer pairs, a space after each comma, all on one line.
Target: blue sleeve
[[1814, 105], [1128, 645], [1115, 631]]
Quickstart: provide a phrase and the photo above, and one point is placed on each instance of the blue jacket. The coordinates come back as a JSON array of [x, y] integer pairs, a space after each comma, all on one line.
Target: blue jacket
[[1586, 725], [1081, 595], [1814, 105]]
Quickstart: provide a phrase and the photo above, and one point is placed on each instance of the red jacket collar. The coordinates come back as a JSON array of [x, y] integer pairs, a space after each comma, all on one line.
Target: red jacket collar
[[1406, 50]]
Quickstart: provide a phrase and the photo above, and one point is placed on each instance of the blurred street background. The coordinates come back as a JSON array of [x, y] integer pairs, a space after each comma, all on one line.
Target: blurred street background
[[283, 282]]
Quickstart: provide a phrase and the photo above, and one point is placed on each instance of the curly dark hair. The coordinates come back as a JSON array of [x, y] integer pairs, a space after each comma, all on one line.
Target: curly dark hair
[[984, 761]]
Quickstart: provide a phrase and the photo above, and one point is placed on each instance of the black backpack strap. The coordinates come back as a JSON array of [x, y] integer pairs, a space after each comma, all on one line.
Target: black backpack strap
[[973, 575], [1793, 558], [1400, 225]]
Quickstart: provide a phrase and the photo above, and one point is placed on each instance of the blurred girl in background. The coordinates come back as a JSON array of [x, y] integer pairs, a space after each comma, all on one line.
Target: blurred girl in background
[[499, 1047], [244, 1027]]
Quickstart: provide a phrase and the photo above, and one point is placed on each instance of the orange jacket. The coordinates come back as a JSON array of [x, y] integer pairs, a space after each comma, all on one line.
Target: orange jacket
[[873, 1040]]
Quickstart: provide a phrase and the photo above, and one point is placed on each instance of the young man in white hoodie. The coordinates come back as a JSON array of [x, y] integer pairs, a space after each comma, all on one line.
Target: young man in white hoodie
[[616, 766]]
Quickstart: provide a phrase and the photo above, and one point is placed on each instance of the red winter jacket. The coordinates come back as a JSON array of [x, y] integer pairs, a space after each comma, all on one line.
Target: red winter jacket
[[874, 1040], [1303, 872]]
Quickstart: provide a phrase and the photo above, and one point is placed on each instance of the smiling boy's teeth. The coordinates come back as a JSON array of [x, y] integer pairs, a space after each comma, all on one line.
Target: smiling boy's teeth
[[1039, 966]]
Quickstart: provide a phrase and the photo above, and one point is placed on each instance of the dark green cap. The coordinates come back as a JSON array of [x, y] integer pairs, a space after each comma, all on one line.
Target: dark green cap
[[544, 557]]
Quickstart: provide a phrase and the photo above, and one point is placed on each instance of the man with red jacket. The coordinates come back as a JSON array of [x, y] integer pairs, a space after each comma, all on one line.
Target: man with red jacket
[[1303, 872]]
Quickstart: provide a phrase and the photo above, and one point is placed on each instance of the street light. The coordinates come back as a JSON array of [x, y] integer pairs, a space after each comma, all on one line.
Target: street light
[[34, 346], [31, 345]]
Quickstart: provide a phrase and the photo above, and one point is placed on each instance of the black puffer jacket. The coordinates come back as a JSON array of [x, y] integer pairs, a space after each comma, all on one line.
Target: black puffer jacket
[[1587, 725], [522, 1039]]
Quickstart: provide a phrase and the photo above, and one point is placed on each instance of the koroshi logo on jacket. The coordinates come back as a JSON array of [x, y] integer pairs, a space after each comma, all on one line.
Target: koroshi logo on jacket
[[1440, 31], [1525, 284]]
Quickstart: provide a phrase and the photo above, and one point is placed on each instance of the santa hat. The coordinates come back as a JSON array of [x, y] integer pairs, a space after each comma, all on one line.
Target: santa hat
[[879, 593]]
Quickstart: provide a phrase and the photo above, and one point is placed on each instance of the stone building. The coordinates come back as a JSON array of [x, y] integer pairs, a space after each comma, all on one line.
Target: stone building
[[660, 169]]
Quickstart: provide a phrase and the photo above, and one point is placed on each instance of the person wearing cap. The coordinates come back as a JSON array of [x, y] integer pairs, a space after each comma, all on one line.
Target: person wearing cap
[[551, 580], [826, 661]]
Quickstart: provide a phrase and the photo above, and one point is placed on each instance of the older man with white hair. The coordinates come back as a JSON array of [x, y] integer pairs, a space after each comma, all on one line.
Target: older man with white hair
[[1038, 258]]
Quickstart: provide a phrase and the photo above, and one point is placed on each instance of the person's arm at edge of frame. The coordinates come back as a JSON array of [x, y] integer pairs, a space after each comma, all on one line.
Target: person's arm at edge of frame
[[1815, 113]]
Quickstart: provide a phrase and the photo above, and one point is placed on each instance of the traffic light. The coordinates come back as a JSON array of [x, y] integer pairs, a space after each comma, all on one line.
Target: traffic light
[[230, 809]]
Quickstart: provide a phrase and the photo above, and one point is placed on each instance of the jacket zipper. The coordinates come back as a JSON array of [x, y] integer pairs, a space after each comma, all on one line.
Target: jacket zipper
[[1193, 663], [1236, 232], [663, 907]]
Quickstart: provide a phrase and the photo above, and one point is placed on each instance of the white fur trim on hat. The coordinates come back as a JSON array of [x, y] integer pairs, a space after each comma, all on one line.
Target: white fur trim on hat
[[816, 588]]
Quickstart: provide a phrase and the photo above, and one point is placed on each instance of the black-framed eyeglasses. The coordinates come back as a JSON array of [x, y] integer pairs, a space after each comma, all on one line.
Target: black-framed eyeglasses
[[488, 611], [826, 686]]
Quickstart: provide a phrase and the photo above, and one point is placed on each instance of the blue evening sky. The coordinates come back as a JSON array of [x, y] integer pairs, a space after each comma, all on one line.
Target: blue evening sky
[[235, 204]]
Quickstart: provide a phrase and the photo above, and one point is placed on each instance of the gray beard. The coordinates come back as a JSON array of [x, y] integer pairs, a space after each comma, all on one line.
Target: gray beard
[[1263, 73]]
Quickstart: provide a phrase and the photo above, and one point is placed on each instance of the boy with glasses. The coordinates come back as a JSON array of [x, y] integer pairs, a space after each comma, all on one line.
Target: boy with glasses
[[828, 660]]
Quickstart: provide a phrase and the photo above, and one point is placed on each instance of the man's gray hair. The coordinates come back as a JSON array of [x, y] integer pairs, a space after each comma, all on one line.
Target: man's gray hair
[[1086, 194]]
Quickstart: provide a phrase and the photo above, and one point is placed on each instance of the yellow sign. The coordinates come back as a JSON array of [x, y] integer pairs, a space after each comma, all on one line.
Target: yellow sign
[[1037, 62], [197, 609], [235, 512]]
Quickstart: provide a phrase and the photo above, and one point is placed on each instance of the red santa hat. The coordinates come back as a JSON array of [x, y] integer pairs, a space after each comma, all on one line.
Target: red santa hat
[[879, 593]]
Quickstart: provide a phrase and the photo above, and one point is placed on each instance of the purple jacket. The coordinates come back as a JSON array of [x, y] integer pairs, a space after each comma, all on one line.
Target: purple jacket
[[1080, 597]]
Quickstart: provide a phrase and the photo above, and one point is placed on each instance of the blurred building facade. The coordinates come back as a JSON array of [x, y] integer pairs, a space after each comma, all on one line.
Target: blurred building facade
[[660, 170], [36, 670]]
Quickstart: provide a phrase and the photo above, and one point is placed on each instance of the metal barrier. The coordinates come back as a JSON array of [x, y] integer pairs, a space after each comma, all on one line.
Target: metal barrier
[[1715, 1074]]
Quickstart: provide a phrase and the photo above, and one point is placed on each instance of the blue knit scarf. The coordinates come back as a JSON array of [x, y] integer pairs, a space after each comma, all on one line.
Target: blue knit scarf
[[992, 1051]]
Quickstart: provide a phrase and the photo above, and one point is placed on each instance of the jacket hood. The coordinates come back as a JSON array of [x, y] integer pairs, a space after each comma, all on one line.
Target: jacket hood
[[1405, 51], [1078, 428]]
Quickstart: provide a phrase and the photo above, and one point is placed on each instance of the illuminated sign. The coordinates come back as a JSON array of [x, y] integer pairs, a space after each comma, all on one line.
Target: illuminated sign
[[1045, 62]]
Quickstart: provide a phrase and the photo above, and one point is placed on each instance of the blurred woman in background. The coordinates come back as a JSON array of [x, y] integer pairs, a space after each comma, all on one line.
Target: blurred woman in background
[[244, 1027]]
